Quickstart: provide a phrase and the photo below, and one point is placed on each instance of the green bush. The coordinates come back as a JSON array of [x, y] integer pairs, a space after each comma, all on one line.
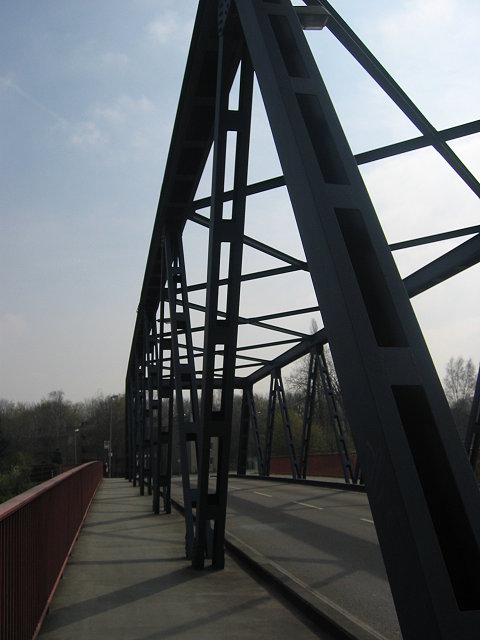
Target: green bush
[[15, 478]]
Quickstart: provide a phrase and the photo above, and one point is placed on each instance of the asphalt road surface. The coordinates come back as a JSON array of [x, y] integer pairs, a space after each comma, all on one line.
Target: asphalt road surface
[[322, 538]]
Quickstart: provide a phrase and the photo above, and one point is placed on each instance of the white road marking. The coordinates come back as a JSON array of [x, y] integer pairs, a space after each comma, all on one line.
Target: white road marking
[[259, 493], [367, 520], [312, 506]]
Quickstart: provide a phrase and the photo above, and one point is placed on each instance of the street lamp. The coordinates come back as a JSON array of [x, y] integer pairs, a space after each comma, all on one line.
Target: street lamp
[[110, 453], [75, 443]]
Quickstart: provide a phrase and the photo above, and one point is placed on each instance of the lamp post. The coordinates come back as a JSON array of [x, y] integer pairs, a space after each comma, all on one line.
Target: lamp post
[[75, 443], [110, 453]]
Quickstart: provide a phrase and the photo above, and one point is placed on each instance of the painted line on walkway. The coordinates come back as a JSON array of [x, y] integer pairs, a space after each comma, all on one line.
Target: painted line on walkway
[[259, 493], [367, 520], [312, 506]]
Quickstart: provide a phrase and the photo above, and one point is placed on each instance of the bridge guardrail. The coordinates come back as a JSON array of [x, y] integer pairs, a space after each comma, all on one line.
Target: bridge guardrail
[[38, 529]]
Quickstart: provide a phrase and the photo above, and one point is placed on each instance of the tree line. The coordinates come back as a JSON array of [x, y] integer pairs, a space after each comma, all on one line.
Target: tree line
[[39, 439], [458, 383]]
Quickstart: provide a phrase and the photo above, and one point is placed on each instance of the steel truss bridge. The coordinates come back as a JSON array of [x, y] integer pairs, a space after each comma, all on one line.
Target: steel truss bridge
[[194, 344]]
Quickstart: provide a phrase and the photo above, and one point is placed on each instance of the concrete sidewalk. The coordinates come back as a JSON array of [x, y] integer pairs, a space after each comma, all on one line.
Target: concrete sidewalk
[[128, 579]]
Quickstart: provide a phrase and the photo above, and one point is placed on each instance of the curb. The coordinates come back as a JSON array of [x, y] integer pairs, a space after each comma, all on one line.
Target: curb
[[317, 608]]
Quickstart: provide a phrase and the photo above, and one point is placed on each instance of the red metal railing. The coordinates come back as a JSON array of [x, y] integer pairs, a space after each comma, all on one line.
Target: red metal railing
[[37, 531]]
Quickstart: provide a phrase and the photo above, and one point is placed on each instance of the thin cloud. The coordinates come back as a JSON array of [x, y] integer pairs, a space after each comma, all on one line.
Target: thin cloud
[[9, 83], [433, 47], [123, 109], [91, 133], [169, 28], [164, 28], [87, 135], [115, 59], [418, 18]]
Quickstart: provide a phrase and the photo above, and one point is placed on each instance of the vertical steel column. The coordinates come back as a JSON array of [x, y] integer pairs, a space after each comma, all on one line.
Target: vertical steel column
[[156, 402], [256, 431], [149, 369], [129, 429], [133, 445], [156, 417], [249, 417], [133, 430], [350, 472], [472, 438], [163, 462], [272, 397], [243, 436], [183, 369], [138, 429], [166, 461], [421, 489], [277, 392], [225, 249], [308, 411], [287, 428], [144, 412], [155, 448]]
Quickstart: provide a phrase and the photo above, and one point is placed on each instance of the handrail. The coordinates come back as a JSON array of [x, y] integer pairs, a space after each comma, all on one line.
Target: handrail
[[38, 529]]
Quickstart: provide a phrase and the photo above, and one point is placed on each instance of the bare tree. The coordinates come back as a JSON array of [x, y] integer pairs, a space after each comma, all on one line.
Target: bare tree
[[459, 381], [459, 385]]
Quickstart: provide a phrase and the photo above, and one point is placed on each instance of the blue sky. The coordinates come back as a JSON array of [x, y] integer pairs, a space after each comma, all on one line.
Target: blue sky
[[88, 94]]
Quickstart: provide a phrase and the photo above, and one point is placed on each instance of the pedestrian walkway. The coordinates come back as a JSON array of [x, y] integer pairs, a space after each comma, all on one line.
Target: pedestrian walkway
[[127, 579]]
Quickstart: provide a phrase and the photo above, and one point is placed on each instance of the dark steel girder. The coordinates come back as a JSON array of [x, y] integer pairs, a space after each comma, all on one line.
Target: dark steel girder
[[225, 241], [365, 157], [189, 148], [256, 323], [256, 244], [421, 142], [472, 437], [352, 43], [397, 410], [287, 357], [437, 237], [257, 275], [187, 156], [446, 266]]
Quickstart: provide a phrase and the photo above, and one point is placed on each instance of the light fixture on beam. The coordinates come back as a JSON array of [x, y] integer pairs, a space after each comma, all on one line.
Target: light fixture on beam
[[312, 18]]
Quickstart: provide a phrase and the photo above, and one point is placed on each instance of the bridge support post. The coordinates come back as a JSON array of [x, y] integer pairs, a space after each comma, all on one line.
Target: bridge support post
[[243, 436], [129, 429], [149, 369], [164, 424], [277, 392], [308, 411], [137, 449], [184, 376], [350, 472], [472, 438], [224, 255]]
